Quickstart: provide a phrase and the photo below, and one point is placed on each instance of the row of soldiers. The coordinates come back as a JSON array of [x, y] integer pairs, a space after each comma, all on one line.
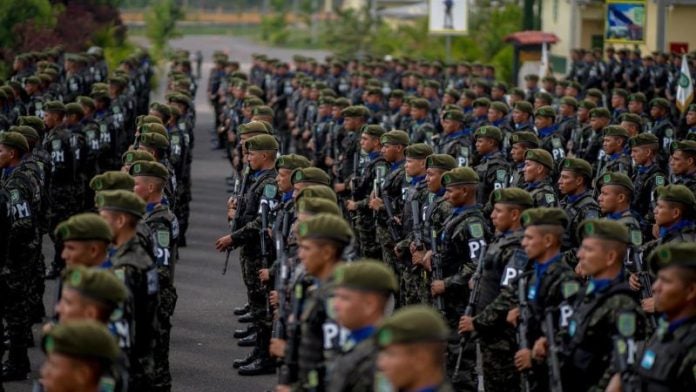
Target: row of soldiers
[[524, 220], [107, 150]]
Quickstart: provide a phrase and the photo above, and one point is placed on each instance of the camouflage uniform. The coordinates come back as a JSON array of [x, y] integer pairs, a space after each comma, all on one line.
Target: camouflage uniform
[[543, 193], [365, 217], [391, 191], [493, 171]]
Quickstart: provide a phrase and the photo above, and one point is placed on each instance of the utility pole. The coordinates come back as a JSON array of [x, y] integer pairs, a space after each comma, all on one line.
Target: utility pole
[[661, 25], [528, 15]]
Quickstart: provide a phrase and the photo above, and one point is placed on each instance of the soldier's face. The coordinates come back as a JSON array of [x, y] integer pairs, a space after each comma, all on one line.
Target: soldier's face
[[566, 110], [256, 159], [51, 119], [450, 126], [414, 167], [597, 123], [680, 163], [397, 362], [672, 293], [568, 182], [517, 152], [640, 155], [592, 256], [494, 115], [390, 152], [484, 145], [635, 107], [455, 195], [61, 373], [665, 213], [532, 171], [6, 156], [612, 144], [314, 257], [79, 253], [432, 179], [691, 117], [533, 242], [283, 179], [519, 117], [71, 306], [608, 199], [353, 308], [502, 217], [617, 101], [542, 122], [480, 111]]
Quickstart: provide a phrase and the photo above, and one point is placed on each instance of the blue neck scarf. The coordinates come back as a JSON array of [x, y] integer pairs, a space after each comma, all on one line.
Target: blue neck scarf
[[362, 334], [600, 285], [664, 231], [458, 210], [417, 180], [396, 165], [373, 155], [548, 131], [287, 196], [574, 198], [674, 325], [461, 132], [539, 271], [616, 215]]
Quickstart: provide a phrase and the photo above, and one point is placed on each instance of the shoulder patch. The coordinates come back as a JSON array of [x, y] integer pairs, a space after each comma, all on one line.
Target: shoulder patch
[[175, 139], [476, 230], [659, 180], [570, 289], [14, 196], [550, 198], [500, 174], [556, 142], [56, 144], [163, 238], [626, 324], [636, 237], [120, 274]]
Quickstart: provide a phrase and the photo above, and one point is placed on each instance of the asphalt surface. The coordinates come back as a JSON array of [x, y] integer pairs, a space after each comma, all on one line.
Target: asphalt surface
[[202, 346]]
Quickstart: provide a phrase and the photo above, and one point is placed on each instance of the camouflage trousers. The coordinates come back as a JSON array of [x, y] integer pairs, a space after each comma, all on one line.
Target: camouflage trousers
[[37, 285], [463, 378], [388, 255], [182, 210], [500, 373], [367, 236], [257, 296], [162, 378], [14, 288], [414, 287]]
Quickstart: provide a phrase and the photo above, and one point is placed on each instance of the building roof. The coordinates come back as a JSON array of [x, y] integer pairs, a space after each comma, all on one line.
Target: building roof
[[532, 38]]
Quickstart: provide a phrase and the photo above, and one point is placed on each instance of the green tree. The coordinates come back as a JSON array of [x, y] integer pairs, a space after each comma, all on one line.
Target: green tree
[[13, 12], [160, 20]]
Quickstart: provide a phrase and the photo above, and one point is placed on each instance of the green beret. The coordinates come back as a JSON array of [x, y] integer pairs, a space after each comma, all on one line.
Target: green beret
[[136, 155], [374, 91], [685, 145], [180, 99], [518, 92], [539, 155], [15, 140], [147, 119], [355, 111], [460, 176], [544, 216], [420, 103], [261, 143], [310, 174], [514, 196], [615, 130], [74, 108], [500, 106], [454, 115], [600, 112], [395, 137], [120, 200], [585, 104], [469, 93], [154, 140], [316, 205], [453, 93], [149, 169], [482, 102], [118, 81], [366, 275], [255, 91], [578, 166], [84, 339], [397, 94], [373, 130], [643, 139], [96, 283], [317, 191], [661, 102], [614, 178], [604, 229], [544, 96], [84, 227], [292, 162], [54, 106], [490, 132], [342, 103], [418, 151], [161, 108], [673, 254], [112, 180], [440, 161], [632, 118], [524, 106], [412, 324], [677, 194], [34, 122], [620, 92], [28, 132], [570, 101], [32, 80], [545, 111], [692, 107], [326, 100], [154, 128], [86, 101], [528, 138], [596, 93], [637, 97], [432, 84], [325, 226], [253, 127]]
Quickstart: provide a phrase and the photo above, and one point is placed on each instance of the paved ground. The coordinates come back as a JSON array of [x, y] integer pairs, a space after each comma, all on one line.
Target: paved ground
[[202, 347]]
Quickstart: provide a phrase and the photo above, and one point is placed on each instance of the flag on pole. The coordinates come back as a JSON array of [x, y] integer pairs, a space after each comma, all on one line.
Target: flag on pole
[[685, 86], [544, 70]]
